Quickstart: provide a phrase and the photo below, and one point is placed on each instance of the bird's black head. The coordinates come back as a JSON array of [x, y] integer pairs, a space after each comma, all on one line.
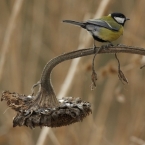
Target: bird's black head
[[119, 18]]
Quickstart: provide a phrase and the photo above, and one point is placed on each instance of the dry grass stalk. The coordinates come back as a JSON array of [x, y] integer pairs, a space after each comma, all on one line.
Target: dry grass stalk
[[8, 33]]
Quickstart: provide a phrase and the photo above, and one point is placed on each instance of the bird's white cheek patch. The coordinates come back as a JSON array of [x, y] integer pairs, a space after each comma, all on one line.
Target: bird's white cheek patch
[[119, 20]]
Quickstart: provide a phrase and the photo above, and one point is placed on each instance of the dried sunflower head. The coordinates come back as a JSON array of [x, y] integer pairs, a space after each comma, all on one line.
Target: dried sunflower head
[[69, 110]]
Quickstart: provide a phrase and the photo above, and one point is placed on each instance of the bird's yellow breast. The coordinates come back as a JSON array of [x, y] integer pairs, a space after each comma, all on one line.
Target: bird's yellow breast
[[109, 35]]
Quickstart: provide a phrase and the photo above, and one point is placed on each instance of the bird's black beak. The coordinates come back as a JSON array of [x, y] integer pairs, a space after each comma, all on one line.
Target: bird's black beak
[[127, 19]]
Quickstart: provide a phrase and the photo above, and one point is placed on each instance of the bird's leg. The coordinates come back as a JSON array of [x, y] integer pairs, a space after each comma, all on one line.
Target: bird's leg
[[120, 45], [107, 45], [94, 46]]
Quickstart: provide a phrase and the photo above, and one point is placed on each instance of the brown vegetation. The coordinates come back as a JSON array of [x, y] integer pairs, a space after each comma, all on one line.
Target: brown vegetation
[[38, 35]]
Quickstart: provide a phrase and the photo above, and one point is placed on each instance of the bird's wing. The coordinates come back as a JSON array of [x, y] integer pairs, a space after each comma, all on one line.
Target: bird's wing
[[103, 23]]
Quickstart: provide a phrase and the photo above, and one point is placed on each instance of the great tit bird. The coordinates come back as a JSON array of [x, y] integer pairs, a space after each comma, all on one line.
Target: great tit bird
[[105, 29]]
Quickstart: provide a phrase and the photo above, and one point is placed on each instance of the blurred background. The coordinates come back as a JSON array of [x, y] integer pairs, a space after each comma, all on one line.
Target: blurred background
[[32, 33]]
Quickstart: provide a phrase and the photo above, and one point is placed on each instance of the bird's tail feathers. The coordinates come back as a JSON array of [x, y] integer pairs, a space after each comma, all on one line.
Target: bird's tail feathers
[[75, 23]]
